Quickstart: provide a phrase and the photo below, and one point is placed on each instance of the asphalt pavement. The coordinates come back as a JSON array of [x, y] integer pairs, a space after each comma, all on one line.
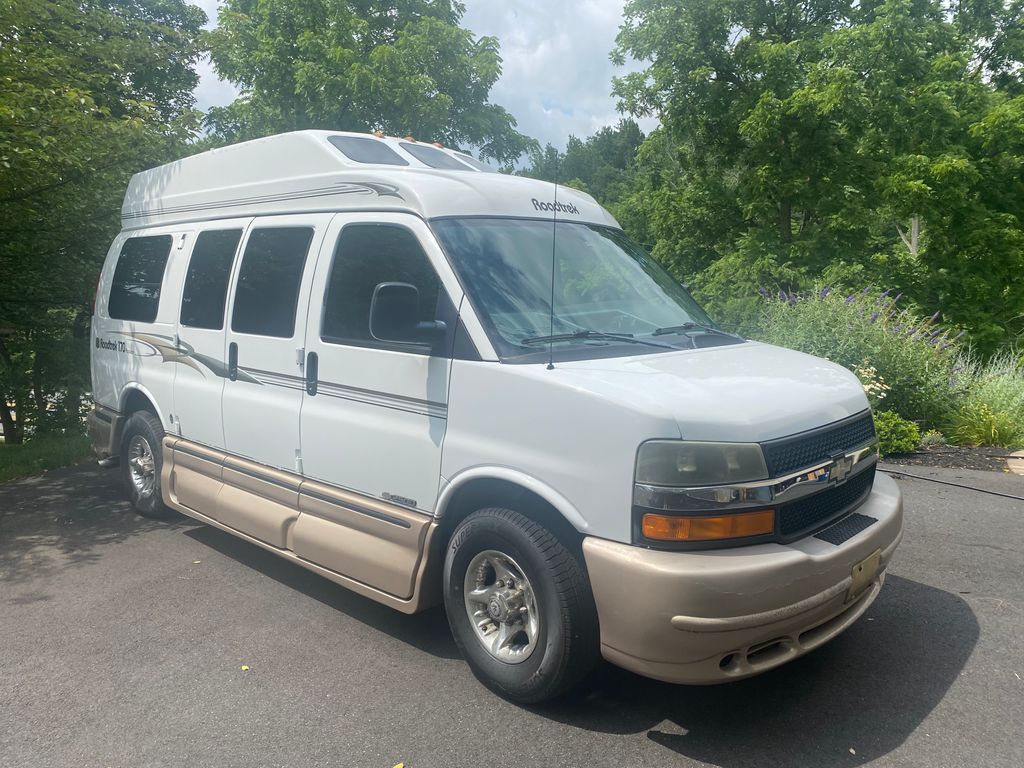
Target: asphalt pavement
[[127, 642]]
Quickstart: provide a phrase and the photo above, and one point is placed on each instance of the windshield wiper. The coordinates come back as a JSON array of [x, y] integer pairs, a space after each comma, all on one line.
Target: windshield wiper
[[598, 335], [693, 327]]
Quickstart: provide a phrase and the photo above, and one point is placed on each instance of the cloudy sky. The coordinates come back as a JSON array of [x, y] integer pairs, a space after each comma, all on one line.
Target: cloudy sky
[[556, 77]]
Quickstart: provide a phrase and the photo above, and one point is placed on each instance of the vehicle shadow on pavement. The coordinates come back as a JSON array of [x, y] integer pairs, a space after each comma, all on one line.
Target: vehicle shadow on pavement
[[63, 519], [426, 631], [853, 700]]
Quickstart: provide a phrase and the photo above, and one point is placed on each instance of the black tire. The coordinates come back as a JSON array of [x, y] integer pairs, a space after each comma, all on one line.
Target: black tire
[[147, 427], [567, 645]]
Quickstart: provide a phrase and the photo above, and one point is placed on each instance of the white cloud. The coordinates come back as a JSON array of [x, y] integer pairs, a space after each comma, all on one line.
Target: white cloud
[[556, 75], [211, 91]]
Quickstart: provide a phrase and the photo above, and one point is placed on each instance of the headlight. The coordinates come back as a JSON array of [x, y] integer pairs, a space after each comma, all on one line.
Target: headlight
[[681, 463]]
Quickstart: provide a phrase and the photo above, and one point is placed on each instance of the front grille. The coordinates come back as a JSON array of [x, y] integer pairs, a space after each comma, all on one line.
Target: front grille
[[788, 454], [811, 512]]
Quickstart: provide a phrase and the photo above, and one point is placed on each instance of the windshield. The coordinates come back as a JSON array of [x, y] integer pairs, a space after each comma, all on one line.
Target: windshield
[[605, 285]]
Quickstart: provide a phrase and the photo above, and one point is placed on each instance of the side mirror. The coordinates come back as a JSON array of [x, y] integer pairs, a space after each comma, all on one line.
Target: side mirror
[[394, 310]]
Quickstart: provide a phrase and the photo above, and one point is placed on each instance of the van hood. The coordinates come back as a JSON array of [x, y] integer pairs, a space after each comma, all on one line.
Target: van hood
[[746, 392]]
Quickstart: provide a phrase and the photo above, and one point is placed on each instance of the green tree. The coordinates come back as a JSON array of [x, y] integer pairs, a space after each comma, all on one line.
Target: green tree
[[851, 141], [93, 91], [400, 66], [600, 165]]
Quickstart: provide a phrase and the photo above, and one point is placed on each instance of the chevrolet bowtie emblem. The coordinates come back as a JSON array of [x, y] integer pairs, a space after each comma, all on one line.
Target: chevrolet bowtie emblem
[[840, 469]]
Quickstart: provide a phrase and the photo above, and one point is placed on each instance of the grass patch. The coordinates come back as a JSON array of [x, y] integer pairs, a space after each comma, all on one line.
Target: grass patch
[[40, 454], [992, 409]]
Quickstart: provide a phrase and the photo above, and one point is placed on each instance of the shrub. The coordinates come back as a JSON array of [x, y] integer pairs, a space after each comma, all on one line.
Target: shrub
[[992, 406], [915, 361], [932, 438], [874, 385], [895, 434], [977, 424]]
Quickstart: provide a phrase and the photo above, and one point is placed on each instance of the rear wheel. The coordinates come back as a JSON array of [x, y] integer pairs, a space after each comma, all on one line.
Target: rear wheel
[[141, 463], [519, 605]]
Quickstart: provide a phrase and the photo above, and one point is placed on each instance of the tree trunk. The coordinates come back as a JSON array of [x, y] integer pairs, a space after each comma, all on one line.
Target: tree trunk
[[913, 242], [786, 221], [12, 429], [39, 399]]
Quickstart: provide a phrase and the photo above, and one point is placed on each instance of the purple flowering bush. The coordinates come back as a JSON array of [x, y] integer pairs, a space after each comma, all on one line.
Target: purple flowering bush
[[919, 359], [910, 365]]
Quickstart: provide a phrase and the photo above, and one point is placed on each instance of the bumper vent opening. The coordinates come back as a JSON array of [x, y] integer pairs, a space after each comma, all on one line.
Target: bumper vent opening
[[846, 528], [768, 652]]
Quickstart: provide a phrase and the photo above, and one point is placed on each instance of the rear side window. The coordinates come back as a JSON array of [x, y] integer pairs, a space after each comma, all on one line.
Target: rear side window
[[138, 276], [268, 282], [367, 255], [433, 157], [206, 284], [475, 163], [364, 150]]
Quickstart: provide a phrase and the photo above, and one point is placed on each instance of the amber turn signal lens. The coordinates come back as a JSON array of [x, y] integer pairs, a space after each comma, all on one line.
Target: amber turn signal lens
[[676, 528]]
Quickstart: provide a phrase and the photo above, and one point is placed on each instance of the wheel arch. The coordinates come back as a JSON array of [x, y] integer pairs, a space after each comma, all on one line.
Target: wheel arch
[[134, 398], [482, 487]]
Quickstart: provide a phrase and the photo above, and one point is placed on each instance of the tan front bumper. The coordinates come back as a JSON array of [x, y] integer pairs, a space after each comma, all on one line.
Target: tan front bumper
[[719, 615]]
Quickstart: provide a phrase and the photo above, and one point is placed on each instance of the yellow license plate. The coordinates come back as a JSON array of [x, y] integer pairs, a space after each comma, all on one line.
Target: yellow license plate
[[864, 574]]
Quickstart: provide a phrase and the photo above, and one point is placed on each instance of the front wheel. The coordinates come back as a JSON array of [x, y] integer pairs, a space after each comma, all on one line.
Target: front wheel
[[141, 462], [520, 606]]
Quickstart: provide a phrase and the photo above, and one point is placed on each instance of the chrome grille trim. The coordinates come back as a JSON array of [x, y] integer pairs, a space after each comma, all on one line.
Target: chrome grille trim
[[771, 492]]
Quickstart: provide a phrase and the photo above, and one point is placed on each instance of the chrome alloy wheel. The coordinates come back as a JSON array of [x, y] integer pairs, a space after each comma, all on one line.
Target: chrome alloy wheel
[[501, 607], [142, 466]]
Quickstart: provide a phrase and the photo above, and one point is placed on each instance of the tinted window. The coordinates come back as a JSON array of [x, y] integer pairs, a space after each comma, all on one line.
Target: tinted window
[[363, 150], [433, 157], [367, 255], [268, 282], [135, 290], [206, 284], [475, 163]]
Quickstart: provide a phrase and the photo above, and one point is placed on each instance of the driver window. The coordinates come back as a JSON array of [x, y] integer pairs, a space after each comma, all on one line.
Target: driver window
[[367, 255]]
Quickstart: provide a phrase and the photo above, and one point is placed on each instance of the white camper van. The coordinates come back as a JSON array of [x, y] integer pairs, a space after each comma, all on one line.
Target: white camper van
[[430, 382]]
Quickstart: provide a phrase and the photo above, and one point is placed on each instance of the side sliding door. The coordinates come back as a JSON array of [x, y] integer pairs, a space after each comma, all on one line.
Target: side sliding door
[[264, 386]]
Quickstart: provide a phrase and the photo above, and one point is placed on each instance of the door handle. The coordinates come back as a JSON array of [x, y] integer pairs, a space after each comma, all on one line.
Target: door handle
[[233, 361], [312, 371]]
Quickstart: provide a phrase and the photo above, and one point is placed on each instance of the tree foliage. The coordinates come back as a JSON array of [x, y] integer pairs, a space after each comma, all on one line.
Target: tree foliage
[[401, 66], [93, 91], [600, 165], [856, 142]]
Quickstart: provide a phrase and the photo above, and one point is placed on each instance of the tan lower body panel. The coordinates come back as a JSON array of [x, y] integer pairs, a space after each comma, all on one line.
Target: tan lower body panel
[[366, 539], [377, 549], [259, 501]]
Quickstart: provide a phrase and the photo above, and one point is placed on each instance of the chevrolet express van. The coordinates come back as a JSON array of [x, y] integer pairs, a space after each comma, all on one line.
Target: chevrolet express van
[[432, 383]]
